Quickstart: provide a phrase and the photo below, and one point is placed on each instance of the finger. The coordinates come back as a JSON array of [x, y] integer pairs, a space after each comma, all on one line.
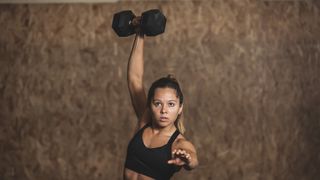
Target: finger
[[188, 156], [183, 153], [188, 159], [173, 161], [177, 162], [178, 151]]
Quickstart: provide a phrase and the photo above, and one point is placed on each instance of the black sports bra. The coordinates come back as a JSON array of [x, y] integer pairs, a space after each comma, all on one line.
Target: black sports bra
[[152, 162]]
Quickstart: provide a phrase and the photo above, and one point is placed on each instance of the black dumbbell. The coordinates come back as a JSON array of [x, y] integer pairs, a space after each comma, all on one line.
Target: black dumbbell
[[151, 23]]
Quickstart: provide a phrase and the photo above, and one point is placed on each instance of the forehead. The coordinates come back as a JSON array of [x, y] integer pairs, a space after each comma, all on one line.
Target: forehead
[[165, 93]]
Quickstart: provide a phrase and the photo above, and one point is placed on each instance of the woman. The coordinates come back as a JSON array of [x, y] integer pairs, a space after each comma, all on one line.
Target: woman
[[158, 149]]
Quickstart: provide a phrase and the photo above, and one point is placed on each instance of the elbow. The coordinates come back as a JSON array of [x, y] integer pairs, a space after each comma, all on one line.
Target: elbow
[[135, 79], [135, 85]]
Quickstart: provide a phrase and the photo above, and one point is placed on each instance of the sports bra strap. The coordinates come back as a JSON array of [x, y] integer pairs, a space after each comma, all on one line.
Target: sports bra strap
[[145, 126], [174, 136]]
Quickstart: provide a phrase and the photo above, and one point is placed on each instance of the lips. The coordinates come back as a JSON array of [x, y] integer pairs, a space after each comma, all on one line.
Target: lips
[[163, 118]]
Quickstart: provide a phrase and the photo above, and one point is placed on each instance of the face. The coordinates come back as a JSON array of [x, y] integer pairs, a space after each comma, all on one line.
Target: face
[[165, 106]]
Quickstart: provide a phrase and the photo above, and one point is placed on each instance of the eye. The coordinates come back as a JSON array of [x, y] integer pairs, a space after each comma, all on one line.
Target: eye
[[156, 104], [171, 104]]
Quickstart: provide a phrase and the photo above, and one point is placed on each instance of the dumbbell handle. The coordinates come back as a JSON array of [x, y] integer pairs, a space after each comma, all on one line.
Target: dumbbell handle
[[136, 21]]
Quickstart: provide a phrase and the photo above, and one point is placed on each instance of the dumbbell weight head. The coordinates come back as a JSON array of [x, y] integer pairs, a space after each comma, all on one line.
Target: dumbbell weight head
[[153, 22], [122, 23]]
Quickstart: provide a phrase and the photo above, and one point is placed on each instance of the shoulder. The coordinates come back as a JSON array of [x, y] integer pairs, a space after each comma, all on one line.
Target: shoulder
[[180, 138], [145, 119]]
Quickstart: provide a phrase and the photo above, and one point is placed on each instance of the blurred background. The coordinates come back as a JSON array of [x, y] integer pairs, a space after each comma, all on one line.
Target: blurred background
[[249, 71]]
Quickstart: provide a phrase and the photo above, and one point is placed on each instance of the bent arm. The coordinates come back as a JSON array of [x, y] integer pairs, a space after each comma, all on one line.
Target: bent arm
[[135, 80], [184, 153]]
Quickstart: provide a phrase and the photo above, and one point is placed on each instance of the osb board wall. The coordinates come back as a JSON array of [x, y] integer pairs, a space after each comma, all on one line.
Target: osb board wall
[[249, 71]]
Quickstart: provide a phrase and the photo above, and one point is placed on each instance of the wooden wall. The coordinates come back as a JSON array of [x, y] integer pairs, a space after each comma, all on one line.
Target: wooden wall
[[249, 71]]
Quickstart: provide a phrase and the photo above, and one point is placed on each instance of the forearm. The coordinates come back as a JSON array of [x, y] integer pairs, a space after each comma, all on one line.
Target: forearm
[[135, 64]]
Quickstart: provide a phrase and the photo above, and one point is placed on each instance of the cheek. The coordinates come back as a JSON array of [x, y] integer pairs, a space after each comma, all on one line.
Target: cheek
[[174, 111], [154, 110]]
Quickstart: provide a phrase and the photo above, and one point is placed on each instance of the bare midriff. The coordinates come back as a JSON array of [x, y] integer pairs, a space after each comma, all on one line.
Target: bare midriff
[[132, 175]]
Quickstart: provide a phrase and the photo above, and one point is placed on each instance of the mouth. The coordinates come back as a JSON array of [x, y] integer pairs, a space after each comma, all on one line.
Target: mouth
[[163, 118]]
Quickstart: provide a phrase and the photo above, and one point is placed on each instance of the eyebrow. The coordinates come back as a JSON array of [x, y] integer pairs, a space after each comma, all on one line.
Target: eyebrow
[[168, 100]]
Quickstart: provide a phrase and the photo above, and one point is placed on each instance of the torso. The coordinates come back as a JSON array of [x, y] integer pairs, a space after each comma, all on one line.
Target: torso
[[150, 141]]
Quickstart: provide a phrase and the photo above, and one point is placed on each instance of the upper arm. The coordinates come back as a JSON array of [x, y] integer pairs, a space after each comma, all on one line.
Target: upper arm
[[139, 102], [182, 143], [138, 99]]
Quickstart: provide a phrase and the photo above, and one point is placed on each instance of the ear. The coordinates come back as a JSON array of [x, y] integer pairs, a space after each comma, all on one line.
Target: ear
[[180, 109]]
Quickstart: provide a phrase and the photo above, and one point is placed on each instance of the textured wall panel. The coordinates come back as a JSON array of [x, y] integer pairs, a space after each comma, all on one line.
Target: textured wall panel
[[249, 71]]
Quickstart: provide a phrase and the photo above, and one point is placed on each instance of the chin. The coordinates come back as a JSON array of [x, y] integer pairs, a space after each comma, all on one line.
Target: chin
[[163, 123]]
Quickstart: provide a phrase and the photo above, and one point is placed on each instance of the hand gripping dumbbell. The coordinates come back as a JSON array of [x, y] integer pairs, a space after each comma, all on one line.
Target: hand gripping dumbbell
[[151, 23]]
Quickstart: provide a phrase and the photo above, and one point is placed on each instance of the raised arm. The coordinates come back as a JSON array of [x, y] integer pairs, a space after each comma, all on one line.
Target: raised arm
[[135, 80]]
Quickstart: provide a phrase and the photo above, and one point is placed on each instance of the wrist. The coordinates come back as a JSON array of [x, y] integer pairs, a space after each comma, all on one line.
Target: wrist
[[191, 165]]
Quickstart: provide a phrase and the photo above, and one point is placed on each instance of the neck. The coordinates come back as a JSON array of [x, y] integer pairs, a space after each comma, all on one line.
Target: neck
[[162, 130]]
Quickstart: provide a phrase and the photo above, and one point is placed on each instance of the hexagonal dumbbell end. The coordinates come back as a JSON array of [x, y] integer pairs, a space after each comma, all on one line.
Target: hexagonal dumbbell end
[[121, 23], [153, 22]]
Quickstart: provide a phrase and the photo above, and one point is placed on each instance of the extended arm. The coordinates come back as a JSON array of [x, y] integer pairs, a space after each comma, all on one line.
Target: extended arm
[[184, 154], [135, 80]]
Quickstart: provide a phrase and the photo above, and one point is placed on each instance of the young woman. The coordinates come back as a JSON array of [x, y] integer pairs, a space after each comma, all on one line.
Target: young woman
[[158, 149]]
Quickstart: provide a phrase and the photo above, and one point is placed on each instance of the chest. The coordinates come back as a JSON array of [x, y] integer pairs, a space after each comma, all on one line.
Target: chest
[[154, 141], [151, 153], [153, 157]]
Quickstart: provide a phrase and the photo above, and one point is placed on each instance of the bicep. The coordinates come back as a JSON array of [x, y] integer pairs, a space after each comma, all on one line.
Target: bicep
[[139, 103], [186, 145], [138, 99]]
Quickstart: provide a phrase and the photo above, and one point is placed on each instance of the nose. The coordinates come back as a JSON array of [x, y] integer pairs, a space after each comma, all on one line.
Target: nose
[[163, 109]]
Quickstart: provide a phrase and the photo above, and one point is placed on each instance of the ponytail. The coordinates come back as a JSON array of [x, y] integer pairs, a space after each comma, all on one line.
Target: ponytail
[[179, 124]]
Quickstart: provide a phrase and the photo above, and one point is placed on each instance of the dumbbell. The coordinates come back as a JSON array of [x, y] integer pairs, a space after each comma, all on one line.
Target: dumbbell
[[151, 23]]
